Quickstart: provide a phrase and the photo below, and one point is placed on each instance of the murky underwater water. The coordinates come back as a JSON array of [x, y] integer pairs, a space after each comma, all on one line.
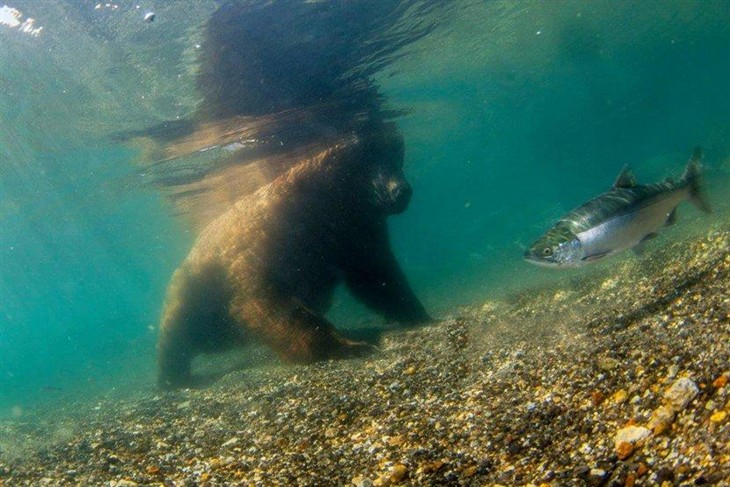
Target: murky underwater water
[[513, 114]]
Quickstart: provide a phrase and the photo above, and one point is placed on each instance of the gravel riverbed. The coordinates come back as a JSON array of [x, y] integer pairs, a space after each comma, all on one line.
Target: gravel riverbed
[[616, 378]]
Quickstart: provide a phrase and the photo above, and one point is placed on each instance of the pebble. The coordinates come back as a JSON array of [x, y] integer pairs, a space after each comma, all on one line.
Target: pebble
[[661, 419], [230, 442], [681, 393], [718, 417], [470, 471], [361, 481], [620, 396], [398, 473], [607, 364], [630, 480], [125, 483], [597, 397], [624, 450], [632, 435]]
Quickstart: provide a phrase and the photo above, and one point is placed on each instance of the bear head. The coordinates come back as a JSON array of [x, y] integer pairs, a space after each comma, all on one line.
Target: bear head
[[382, 183]]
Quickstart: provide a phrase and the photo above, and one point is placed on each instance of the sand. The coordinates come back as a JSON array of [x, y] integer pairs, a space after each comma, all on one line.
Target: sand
[[619, 377]]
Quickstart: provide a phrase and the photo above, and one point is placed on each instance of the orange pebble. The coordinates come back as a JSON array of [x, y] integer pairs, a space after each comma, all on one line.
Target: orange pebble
[[597, 397], [630, 479], [624, 450]]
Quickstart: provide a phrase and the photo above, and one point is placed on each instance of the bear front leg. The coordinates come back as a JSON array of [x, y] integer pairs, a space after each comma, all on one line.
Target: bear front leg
[[174, 357], [296, 333], [378, 281]]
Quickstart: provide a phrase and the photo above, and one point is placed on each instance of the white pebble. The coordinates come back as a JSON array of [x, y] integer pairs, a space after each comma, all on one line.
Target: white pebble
[[230, 442], [631, 434], [681, 393]]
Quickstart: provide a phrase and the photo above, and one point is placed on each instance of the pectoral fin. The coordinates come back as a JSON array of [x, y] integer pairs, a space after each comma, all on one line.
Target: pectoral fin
[[595, 257]]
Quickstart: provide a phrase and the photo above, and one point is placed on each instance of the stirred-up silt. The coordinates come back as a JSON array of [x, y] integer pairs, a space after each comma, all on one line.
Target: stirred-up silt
[[624, 217]]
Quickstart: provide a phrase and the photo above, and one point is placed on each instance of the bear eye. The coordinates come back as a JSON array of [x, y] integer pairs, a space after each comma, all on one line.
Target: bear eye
[[547, 251]]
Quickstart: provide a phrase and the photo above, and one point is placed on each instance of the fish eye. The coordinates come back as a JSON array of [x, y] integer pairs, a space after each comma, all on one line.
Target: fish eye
[[547, 251]]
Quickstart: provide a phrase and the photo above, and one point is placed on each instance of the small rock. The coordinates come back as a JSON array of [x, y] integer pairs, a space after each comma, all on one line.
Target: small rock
[[396, 440], [361, 481], [470, 471], [431, 467], [681, 393], [125, 483], [661, 419], [720, 382], [398, 473], [597, 476], [230, 442], [620, 396], [112, 459], [597, 398], [631, 435], [624, 450], [665, 475], [630, 480], [607, 363], [672, 372], [149, 17], [718, 417]]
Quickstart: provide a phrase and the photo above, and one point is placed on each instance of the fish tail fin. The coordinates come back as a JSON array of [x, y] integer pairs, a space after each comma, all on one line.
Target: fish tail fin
[[692, 178]]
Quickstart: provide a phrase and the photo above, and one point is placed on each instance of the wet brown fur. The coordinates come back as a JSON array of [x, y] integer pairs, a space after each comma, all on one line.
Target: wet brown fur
[[267, 267]]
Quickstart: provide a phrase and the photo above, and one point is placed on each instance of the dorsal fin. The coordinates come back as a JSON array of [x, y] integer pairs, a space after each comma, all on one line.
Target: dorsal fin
[[625, 179]]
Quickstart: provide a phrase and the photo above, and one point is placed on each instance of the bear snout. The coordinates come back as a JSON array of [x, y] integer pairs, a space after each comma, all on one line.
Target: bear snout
[[399, 195]]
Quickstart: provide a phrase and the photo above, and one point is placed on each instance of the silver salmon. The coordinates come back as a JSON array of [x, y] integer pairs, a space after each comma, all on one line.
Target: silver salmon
[[624, 217]]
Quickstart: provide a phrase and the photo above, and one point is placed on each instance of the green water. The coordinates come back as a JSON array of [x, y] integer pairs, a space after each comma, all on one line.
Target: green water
[[516, 113]]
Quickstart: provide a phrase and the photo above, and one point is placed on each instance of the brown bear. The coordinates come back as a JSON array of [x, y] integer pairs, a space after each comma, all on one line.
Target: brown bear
[[289, 167], [268, 266]]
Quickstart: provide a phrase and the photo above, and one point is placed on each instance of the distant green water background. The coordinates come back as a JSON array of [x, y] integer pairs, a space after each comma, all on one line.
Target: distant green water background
[[517, 112]]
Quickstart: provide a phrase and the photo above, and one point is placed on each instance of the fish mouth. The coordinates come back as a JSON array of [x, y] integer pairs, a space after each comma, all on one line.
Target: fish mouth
[[532, 259]]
